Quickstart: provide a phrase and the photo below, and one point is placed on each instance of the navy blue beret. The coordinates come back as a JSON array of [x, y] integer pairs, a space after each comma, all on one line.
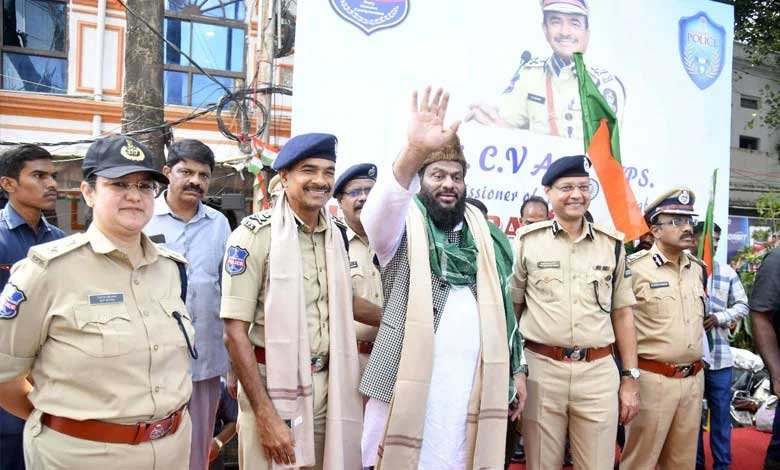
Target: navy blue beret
[[575, 165], [361, 170], [306, 146]]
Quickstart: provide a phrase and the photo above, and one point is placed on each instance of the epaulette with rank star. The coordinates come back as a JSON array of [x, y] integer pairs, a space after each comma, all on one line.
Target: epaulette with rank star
[[44, 253], [256, 221], [526, 229], [634, 257]]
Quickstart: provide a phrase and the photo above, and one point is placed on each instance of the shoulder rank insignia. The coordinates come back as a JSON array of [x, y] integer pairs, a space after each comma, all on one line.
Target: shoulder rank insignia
[[43, 254], [10, 299], [634, 257], [255, 221]]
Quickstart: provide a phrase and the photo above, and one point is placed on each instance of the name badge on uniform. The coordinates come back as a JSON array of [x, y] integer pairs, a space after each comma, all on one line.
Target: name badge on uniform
[[353, 264], [548, 264], [599, 267], [536, 98], [658, 285], [106, 299]]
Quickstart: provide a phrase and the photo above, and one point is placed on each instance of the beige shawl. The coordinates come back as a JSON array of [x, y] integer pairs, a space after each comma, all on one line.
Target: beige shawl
[[288, 355], [487, 408]]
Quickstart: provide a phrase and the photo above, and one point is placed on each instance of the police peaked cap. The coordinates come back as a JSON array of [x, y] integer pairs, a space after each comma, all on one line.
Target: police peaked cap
[[675, 201], [359, 171], [300, 147], [117, 156], [572, 7], [575, 165]]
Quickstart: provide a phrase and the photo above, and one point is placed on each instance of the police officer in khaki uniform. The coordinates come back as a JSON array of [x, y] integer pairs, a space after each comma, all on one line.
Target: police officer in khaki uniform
[[98, 323], [669, 315], [543, 95], [573, 293], [306, 165], [351, 191]]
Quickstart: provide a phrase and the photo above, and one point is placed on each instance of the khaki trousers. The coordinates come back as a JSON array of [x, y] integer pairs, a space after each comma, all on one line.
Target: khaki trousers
[[578, 397], [665, 430], [47, 449], [251, 455]]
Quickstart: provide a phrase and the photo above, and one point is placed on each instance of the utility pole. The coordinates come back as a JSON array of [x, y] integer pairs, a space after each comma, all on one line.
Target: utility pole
[[143, 94]]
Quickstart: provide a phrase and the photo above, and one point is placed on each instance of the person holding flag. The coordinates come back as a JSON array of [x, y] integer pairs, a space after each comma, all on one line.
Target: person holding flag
[[669, 284]]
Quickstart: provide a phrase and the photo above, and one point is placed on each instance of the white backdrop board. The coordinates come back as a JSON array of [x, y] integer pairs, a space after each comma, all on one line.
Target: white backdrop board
[[671, 59]]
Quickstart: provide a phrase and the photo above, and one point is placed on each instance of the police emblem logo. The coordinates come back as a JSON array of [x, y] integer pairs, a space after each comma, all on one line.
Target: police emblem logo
[[10, 299], [585, 164], [370, 16], [372, 171], [158, 431], [702, 44], [131, 152], [235, 262], [684, 197]]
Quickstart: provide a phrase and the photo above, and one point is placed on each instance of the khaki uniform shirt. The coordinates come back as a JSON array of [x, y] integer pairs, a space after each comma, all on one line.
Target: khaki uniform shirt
[[544, 97], [243, 294], [670, 307], [97, 334], [566, 284], [366, 280]]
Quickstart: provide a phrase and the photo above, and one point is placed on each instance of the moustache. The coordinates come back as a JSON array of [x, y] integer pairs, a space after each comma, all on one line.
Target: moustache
[[317, 188], [195, 188], [50, 194]]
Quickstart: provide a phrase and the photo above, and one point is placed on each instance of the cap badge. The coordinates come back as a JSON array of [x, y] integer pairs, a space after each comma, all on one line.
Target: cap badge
[[684, 197], [131, 152], [372, 171], [585, 164]]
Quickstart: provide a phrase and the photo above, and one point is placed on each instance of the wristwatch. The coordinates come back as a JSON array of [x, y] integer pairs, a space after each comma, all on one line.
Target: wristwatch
[[633, 373], [523, 369]]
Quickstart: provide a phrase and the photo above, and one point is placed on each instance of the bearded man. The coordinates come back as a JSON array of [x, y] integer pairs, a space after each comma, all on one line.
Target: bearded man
[[448, 352]]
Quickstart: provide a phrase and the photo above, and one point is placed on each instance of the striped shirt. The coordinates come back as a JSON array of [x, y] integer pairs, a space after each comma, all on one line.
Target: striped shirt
[[728, 302]]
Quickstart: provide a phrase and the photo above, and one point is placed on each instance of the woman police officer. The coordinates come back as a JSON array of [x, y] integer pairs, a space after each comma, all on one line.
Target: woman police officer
[[97, 322]]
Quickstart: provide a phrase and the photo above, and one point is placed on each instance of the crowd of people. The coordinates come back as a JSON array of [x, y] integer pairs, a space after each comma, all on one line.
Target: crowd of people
[[411, 334]]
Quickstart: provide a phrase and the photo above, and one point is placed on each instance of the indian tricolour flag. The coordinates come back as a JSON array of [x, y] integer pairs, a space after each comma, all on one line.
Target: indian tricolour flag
[[602, 144]]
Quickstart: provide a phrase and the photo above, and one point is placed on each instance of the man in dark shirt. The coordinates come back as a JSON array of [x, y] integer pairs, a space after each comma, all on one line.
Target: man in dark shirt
[[27, 175], [764, 309]]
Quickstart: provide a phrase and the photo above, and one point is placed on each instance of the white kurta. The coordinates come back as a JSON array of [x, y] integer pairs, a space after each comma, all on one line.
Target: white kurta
[[456, 345]]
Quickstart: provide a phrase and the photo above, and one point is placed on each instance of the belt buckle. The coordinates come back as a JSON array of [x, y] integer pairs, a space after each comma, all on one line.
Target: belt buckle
[[158, 431], [574, 354], [682, 372]]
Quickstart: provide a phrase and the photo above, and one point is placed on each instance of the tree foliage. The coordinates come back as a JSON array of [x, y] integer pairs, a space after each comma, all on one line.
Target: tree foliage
[[757, 25]]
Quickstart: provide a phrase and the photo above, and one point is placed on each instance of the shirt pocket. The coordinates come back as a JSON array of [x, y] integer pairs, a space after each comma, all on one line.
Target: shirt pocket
[[598, 288], [548, 284], [662, 302], [177, 331], [104, 330]]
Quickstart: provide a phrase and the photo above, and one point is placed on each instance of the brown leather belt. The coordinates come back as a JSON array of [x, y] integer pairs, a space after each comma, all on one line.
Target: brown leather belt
[[670, 370], [574, 354], [318, 363], [365, 347], [101, 431]]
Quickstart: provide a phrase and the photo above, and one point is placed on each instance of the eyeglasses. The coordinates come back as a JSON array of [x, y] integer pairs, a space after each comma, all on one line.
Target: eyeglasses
[[679, 221], [358, 192], [584, 188], [144, 187]]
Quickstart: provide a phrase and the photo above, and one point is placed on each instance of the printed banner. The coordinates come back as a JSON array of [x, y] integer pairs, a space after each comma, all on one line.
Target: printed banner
[[506, 64]]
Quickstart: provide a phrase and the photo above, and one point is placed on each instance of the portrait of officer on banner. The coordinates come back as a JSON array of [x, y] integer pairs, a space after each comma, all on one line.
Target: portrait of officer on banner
[[543, 94]]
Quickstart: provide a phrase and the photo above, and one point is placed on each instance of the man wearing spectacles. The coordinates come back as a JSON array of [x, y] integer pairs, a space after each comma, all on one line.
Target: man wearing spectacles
[[182, 223], [669, 284], [351, 191], [573, 293]]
